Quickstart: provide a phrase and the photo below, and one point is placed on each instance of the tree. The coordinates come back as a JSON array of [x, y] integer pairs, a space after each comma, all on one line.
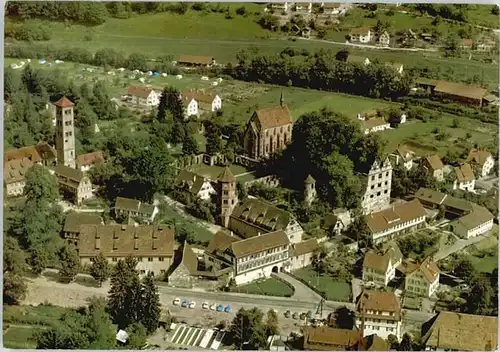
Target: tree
[[170, 102], [344, 318], [342, 55], [479, 299], [41, 186], [464, 270], [70, 263], [214, 143], [344, 187], [38, 260], [393, 342], [149, 304], [14, 267], [495, 10], [247, 328], [190, 146], [272, 326], [405, 344], [241, 191], [99, 327], [100, 268], [137, 335], [359, 231], [451, 47]]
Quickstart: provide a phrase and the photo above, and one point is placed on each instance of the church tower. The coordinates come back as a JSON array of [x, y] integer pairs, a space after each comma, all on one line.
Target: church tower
[[65, 132], [309, 190], [226, 195]]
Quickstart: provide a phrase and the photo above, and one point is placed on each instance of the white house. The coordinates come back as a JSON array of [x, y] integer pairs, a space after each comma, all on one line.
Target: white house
[[476, 223], [199, 102], [303, 7], [482, 159], [375, 124], [196, 184], [403, 155], [380, 267], [361, 35], [85, 162], [400, 218], [280, 6], [143, 95], [422, 279], [303, 253], [191, 108], [338, 221], [379, 313], [465, 179], [384, 39]]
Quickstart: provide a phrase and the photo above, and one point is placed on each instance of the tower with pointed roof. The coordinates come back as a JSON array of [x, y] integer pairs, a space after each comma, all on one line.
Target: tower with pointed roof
[[65, 132], [226, 195], [309, 189]]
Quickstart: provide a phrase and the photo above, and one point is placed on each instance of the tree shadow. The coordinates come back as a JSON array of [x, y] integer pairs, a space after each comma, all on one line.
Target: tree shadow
[[79, 279], [86, 281]]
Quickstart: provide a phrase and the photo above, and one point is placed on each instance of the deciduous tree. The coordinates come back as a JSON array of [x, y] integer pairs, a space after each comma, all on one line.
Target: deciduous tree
[[248, 330], [272, 324], [100, 268], [69, 261]]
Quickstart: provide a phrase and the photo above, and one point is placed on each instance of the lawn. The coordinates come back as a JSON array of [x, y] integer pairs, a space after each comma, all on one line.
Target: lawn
[[19, 337], [334, 290], [485, 264], [268, 287], [213, 172]]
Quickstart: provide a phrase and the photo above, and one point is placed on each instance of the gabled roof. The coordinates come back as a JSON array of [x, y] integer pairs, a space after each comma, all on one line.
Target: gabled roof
[[405, 153], [189, 259], [374, 122], [467, 42], [64, 103], [431, 196], [226, 176], [198, 60], [127, 204], [477, 217], [262, 214], [275, 116], [434, 162], [200, 97], [257, 244], [221, 241], [376, 261], [304, 247], [464, 173], [427, 267], [139, 91], [461, 90], [381, 301], [69, 172], [478, 156], [35, 153], [75, 220], [94, 158], [320, 338], [309, 180], [15, 170], [398, 214], [359, 31]]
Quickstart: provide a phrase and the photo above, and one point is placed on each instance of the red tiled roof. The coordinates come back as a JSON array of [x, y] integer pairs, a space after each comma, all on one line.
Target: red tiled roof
[[64, 103], [139, 91], [274, 116], [90, 159]]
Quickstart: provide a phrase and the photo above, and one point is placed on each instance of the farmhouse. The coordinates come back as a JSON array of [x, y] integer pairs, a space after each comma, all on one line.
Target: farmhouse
[[375, 124], [403, 156], [143, 95], [466, 45], [422, 279], [73, 223], [378, 187], [399, 219], [325, 338], [337, 221], [135, 208], [380, 267], [303, 7], [434, 164], [384, 39], [457, 92], [85, 162], [198, 185], [74, 184], [450, 331], [196, 61], [360, 35], [303, 253], [379, 312], [42, 154], [482, 160], [485, 44], [255, 216], [198, 102], [476, 223], [14, 176], [465, 179], [152, 246]]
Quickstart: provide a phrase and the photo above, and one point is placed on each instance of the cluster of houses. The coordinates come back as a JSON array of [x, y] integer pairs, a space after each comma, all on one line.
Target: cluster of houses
[[327, 8]]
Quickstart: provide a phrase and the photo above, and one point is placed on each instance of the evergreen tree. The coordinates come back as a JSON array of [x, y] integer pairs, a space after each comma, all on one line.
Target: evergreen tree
[[14, 267], [100, 268], [38, 260], [190, 146], [149, 304], [137, 336], [405, 344], [69, 261], [247, 328], [272, 326]]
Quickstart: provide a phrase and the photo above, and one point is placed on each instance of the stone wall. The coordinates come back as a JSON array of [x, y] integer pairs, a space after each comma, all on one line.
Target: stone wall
[[269, 180], [181, 277]]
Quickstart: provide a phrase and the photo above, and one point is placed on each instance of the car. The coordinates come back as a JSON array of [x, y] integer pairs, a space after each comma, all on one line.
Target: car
[[309, 315], [177, 301], [227, 309], [185, 303], [220, 308], [295, 316], [192, 305], [204, 305], [303, 316], [213, 306], [288, 314]]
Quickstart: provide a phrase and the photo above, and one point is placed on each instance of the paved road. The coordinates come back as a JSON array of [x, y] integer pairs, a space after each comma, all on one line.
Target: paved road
[[487, 183], [367, 46], [68, 206], [457, 246], [302, 292]]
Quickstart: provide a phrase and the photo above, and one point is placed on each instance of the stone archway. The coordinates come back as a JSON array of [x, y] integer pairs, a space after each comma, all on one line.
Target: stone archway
[[275, 269]]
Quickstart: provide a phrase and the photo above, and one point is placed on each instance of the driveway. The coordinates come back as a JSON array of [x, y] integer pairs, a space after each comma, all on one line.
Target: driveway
[[457, 246], [302, 292]]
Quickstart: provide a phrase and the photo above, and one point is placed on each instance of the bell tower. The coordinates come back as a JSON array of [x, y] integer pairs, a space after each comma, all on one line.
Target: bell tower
[[309, 190], [227, 196], [65, 132]]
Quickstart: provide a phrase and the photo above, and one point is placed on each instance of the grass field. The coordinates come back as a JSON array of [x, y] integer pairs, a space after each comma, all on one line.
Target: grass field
[[269, 287], [213, 172], [485, 264], [19, 337], [335, 290]]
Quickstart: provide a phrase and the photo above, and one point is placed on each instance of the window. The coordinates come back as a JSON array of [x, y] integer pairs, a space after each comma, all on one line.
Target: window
[[378, 194], [373, 186], [371, 196], [139, 259], [91, 260], [162, 271], [161, 259], [143, 272], [385, 192], [232, 201], [225, 201], [379, 175], [115, 259], [226, 193], [387, 174], [386, 183], [379, 185], [373, 178], [150, 259]]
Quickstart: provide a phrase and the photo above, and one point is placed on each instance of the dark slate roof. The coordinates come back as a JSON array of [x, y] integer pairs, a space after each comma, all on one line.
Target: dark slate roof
[[262, 214]]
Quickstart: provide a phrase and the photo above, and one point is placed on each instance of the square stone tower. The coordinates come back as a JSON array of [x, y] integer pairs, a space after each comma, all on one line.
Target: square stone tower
[[378, 188], [65, 132], [227, 196]]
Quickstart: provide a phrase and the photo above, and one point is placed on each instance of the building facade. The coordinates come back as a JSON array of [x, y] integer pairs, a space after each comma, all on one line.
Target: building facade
[[379, 267], [85, 162], [384, 39], [361, 35], [465, 179], [422, 279], [379, 313], [145, 96], [152, 246], [403, 156], [479, 222], [65, 132], [378, 187], [482, 160], [309, 190], [135, 208], [198, 102], [14, 176], [375, 124], [73, 184], [303, 253], [197, 185], [73, 223], [435, 166], [227, 196]]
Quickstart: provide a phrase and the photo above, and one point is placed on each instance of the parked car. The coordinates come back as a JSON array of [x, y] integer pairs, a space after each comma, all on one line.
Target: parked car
[[213, 306], [192, 305], [177, 301], [288, 314], [185, 303], [295, 316], [204, 305], [302, 316], [227, 309], [220, 308], [309, 315]]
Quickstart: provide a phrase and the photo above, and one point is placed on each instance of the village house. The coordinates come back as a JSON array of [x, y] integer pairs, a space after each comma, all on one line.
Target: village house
[[400, 219], [186, 271], [255, 216], [198, 102], [384, 39], [252, 258], [135, 208], [482, 160], [479, 222], [465, 45], [379, 312], [303, 253], [421, 278], [197, 185], [303, 7], [14, 176], [375, 124], [85, 162], [485, 44], [334, 8], [143, 95], [378, 187], [337, 221], [379, 267], [435, 166], [403, 156], [196, 61], [457, 92], [279, 6], [41, 154], [151, 245], [450, 331], [73, 223], [465, 179], [325, 338], [268, 131], [73, 184], [360, 35]]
